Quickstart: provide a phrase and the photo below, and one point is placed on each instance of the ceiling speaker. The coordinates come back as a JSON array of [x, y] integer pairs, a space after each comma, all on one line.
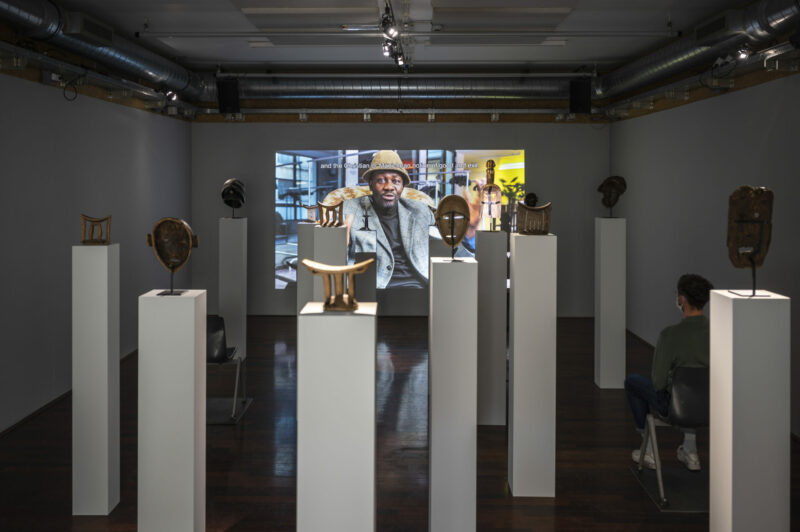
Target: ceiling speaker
[[580, 96], [228, 95]]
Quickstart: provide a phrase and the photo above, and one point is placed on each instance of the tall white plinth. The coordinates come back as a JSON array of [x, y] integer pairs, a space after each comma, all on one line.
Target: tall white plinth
[[330, 247], [305, 250], [609, 302], [491, 253], [532, 367], [452, 384], [172, 412], [749, 447], [233, 281], [95, 379], [336, 419]]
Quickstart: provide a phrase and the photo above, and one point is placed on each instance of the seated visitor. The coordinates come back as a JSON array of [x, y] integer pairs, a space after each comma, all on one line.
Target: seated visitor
[[684, 344]]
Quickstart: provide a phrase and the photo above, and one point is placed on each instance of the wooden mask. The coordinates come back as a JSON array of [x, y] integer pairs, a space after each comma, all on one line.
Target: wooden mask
[[749, 225], [172, 241], [452, 219]]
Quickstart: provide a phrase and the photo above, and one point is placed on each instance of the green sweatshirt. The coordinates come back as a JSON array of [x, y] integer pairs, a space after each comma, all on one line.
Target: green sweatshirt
[[684, 344]]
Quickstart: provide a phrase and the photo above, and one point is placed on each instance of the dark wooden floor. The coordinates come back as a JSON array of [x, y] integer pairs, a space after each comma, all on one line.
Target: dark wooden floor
[[251, 467]]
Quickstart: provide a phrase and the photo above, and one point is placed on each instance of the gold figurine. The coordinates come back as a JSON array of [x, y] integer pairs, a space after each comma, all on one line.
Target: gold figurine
[[491, 199], [338, 300]]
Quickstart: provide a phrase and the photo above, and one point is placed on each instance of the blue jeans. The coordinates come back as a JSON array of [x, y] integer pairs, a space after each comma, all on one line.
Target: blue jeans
[[641, 395]]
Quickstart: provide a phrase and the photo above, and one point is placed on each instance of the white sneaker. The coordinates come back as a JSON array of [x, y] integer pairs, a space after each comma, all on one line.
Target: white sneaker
[[649, 461], [690, 460]]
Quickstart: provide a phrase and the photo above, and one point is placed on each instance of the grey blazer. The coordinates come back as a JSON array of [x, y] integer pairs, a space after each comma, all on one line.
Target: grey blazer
[[415, 219]]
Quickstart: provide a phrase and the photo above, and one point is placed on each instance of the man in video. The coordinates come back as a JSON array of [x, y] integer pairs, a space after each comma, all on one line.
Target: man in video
[[394, 228]]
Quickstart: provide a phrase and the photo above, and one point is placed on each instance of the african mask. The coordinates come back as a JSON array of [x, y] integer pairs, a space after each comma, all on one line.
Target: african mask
[[749, 225], [92, 230], [233, 193], [452, 220], [533, 220], [172, 241], [338, 300], [612, 188], [491, 199]]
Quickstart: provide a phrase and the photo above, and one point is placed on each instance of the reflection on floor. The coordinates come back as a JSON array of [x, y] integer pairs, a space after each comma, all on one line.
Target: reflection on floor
[[251, 467]]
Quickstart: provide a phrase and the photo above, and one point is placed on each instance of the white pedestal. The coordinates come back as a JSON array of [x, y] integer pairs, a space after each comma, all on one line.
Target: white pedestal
[[609, 302], [233, 281], [330, 247], [452, 384], [336, 419], [491, 253], [172, 412], [305, 250], [750, 438], [532, 367], [95, 379]]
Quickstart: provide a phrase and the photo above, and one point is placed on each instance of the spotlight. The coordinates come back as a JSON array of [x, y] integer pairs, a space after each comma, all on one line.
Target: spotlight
[[399, 59], [388, 46], [743, 52], [388, 26], [172, 96]]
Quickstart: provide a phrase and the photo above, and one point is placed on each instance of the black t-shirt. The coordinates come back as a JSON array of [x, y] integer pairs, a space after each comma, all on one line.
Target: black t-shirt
[[404, 274]]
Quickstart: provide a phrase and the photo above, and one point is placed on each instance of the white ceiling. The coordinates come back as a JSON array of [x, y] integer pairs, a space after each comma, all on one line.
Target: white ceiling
[[294, 35]]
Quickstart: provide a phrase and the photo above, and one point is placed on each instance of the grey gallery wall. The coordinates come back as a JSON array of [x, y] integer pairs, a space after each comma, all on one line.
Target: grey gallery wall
[[61, 159], [681, 166]]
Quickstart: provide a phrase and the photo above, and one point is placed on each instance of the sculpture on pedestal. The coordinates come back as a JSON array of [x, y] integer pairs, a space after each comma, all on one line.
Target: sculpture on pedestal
[[326, 215], [491, 198], [172, 241], [233, 195], [612, 188], [452, 221], [533, 220], [749, 227], [95, 231], [338, 300]]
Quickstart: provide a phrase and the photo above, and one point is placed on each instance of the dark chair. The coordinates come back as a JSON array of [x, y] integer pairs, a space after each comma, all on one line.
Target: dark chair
[[218, 354], [688, 409]]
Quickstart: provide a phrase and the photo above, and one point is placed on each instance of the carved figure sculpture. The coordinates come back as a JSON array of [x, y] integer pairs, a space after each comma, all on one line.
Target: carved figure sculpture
[[311, 213], [749, 227], [233, 194], [89, 236], [328, 215], [452, 220], [612, 188], [331, 215], [338, 300], [491, 198], [172, 241], [533, 220]]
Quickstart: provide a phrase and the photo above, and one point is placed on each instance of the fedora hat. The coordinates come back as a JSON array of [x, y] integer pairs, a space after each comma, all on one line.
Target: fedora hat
[[386, 161]]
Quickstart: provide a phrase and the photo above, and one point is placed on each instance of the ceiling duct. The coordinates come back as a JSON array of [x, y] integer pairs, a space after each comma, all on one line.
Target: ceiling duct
[[758, 22], [414, 88], [42, 19]]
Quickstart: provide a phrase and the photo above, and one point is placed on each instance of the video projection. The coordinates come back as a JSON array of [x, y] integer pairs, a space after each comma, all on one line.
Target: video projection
[[390, 197]]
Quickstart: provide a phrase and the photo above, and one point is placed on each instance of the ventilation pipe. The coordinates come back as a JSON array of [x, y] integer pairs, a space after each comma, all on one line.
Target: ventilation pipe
[[42, 19], [717, 37]]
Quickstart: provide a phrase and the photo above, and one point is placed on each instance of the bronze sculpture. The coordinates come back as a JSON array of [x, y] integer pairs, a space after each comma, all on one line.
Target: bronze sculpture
[[612, 188], [490, 198], [452, 220], [338, 301], [88, 226], [749, 227], [233, 195], [172, 241], [533, 220]]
